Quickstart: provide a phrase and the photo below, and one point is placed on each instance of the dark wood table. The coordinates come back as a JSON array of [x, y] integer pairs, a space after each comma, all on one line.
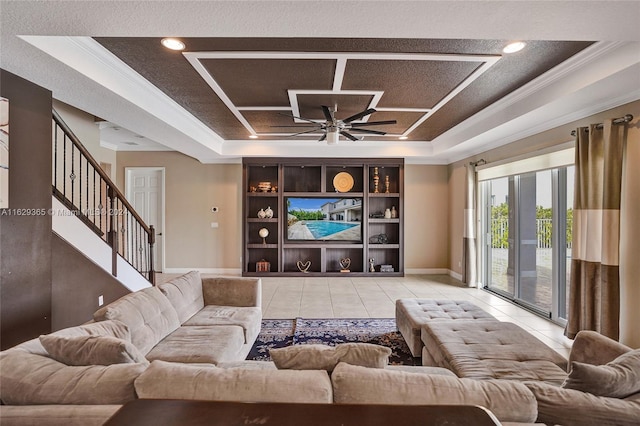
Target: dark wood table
[[158, 412]]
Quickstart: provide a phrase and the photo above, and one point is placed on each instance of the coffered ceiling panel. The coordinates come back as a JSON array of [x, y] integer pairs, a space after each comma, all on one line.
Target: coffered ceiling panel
[[243, 87]]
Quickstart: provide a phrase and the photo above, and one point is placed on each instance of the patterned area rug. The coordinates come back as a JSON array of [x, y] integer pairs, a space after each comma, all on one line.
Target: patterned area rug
[[300, 331]]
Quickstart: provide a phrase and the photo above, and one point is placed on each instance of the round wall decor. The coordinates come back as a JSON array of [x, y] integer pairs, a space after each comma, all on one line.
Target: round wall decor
[[343, 182]]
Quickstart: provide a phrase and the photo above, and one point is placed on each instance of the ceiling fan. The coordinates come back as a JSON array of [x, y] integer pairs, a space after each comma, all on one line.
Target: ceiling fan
[[334, 127]]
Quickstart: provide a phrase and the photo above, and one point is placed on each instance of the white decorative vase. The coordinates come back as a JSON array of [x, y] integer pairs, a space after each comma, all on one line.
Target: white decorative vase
[[268, 213], [262, 214], [387, 214]]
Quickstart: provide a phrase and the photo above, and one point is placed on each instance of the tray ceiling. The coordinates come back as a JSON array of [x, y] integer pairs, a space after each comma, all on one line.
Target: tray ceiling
[[240, 87]]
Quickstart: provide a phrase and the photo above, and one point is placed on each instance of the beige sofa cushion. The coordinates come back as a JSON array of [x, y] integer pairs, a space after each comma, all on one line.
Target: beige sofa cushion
[[491, 350], [509, 401], [164, 380], [185, 294], [102, 328], [247, 318], [148, 314], [570, 407], [618, 378], [324, 357], [201, 344], [34, 379], [91, 350]]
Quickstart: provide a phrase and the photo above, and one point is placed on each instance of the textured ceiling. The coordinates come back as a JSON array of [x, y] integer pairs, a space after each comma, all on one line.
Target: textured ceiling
[[244, 86]]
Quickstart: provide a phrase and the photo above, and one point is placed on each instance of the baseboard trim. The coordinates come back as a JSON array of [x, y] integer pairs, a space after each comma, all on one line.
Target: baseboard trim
[[426, 271], [455, 275], [220, 271]]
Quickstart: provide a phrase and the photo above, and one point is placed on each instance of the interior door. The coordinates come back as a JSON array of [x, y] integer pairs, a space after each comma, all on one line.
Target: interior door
[[145, 192]]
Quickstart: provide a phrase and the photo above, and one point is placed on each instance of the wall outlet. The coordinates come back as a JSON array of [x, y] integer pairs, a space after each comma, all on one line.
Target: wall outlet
[[100, 300], [214, 224]]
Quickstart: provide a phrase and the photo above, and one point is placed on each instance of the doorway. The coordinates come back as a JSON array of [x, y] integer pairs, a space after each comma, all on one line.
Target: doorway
[[144, 189]]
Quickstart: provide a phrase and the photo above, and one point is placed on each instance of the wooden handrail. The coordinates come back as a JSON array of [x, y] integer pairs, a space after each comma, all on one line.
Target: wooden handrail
[[94, 163]]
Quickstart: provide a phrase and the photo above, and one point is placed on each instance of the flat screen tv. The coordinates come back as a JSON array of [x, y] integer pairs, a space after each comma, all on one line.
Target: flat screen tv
[[324, 219]]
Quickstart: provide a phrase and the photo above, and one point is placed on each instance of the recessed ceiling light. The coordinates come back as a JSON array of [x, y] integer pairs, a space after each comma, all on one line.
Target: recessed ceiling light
[[514, 47], [172, 43], [402, 138], [253, 136]]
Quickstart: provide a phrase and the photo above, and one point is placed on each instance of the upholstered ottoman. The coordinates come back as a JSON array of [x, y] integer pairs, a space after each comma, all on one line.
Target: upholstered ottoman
[[412, 314], [491, 350]]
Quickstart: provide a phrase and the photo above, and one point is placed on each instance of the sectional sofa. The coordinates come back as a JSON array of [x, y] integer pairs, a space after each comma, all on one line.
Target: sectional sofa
[[187, 339]]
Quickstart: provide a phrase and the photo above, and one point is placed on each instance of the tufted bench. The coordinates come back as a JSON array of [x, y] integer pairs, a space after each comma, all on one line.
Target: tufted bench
[[413, 314], [491, 350]]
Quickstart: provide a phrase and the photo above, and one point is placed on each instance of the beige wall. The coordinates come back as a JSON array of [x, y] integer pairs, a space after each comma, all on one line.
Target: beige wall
[[630, 231], [426, 217], [192, 188], [86, 129]]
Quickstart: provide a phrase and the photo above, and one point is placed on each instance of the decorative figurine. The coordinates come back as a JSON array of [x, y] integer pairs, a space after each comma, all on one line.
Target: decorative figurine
[[264, 233], [372, 268], [345, 264], [386, 184], [303, 266], [376, 180]]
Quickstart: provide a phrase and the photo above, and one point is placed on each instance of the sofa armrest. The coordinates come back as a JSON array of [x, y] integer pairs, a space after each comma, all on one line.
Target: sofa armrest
[[570, 407], [593, 348], [232, 291]]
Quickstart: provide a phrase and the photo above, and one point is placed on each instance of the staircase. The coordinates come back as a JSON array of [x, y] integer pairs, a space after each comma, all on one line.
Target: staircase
[[94, 216]]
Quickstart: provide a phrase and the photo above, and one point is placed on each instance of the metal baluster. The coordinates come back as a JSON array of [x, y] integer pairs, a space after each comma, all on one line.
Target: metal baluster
[[64, 166], [72, 176], [55, 156]]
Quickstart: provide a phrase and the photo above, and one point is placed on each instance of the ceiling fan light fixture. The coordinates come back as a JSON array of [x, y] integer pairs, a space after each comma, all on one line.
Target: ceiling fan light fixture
[[332, 138], [403, 138], [172, 43], [514, 47], [253, 136]]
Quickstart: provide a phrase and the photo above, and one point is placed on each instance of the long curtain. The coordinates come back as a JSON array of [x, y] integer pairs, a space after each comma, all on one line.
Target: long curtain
[[469, 243], [594, 294]]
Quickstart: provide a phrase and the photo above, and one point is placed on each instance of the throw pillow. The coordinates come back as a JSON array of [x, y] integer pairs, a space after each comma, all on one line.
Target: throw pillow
[[616, 379], [323, 357], [91, 350]]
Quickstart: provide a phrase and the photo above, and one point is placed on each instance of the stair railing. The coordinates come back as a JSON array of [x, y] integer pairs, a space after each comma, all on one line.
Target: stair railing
[[88, 192]]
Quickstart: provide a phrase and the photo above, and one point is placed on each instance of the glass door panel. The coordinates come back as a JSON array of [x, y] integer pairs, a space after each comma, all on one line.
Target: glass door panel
[[535, 243], [500, 256]]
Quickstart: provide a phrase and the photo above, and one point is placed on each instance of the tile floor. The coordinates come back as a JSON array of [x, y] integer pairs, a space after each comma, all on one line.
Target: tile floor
[[344, 297]]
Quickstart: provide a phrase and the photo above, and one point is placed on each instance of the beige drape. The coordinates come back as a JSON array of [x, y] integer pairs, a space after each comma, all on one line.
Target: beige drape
[[469, 244], [594, 294]]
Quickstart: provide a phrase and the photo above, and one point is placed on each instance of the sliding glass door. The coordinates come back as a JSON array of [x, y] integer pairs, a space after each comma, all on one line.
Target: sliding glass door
[[526, 226]]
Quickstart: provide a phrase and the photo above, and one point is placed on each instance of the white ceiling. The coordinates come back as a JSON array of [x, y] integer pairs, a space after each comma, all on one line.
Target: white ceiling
[[48, 42]]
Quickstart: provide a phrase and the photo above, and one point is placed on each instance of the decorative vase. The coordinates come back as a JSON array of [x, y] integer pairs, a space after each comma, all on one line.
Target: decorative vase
[[268, 213], [386, 184], [262, 214], [394, 212], [264, 233], [387, 214]]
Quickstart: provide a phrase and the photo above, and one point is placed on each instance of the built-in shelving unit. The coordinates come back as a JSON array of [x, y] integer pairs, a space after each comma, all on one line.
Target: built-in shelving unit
[[364, 235]]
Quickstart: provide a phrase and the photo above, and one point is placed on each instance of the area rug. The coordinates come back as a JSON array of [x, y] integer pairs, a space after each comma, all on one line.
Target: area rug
[[301, 331]]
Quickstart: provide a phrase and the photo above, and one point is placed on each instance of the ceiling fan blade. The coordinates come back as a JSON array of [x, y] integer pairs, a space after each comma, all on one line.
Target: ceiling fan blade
[[302, 133], [323, 137], [318, 125], [349, 135], [328, 113], [375, 132], [299, 118], [373, 123], [359, 115]]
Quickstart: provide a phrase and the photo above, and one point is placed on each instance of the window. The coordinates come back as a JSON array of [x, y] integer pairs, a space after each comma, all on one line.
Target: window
[[526, 235]]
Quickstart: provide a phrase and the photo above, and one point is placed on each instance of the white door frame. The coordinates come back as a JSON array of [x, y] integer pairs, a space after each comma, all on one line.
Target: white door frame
[[127, 173]]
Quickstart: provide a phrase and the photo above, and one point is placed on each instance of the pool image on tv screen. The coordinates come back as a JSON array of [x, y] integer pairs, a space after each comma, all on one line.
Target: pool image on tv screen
[[324, 219]]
